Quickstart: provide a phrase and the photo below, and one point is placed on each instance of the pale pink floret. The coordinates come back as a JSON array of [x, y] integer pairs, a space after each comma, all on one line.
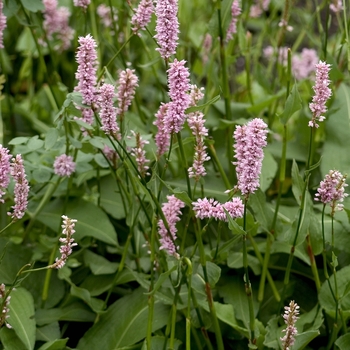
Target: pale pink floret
[[5, 169], [179, 85], [82, 3], [3, 25], [21, 188], [336, 6], [250, 139], [257, 9], [172, 212], [167, 27], [322, 94], [140, 154], [162, 138], [64, 165], [207, 209], [127, 84], [104, 13], [332, 190], [67, 242], [142, 15], [87, 68], [304, 64], [290, 317], [4, 314], [108, 113], [235, 12]]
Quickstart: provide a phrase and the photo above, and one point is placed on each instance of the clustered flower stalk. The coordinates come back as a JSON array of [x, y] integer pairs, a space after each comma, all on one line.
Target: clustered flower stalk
[[3, 24], [322, 94], [290, 317], [142, 16], [64, 165], [21, 188], [140, 154], [5, 169], [162, 137], [235, 12], [4, 307], [172, 212], [67, 242], [82, 3]]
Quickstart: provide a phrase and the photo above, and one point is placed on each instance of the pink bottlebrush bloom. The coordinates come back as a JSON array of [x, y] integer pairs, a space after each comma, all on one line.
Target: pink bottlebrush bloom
[[162, 138], [269, 52], [196, 94], [87, 67], [2, 25], [167, 27], [304, 64], [249, 142], [67, 242], [5, 170], [140, 154], [111, 154], [82, 3], [322, 94], [56, 22], [21, 188], [179, 85], [336, 6], [207, 209], [332, 190], [172, 212], [258, 8], [104, 13], [127, 84], [207, 44], [108, 113], [64, 165], [290, 317], [4, 314], [142, 15], [235, 12]]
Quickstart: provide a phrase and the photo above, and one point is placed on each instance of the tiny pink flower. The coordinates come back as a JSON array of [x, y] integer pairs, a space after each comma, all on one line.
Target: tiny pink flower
[[167, 27], [87, 67], [207, 44], [21, 188], [104, 13], [5, 303], [3, 25], [336, 6], [172, 212], [235, 12], [162, 138], [142, 15], [82, 3], [140, 154], [290, 317], [5, 170], [67, 242], [127, 84], [303, 65], [64, 165], [322, 94], [257, 9]]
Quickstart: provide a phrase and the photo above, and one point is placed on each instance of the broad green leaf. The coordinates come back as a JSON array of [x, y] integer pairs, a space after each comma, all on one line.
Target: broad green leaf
[[158, 343], [298, 183], [33, 5], [235, 261], [22, 316], [57, 344], [83, 294], [161, 279], [261, 209], [41, 175], [303, 339], [124, 323], [268, 171], [213, 273], [273, 333], [51, 138], [97, 142], [19, 140], [335, 153], [76, 312], [233, 225], [343, 342], [10, 340], [92, 221], [49, 332], [98, 264], [293, 104], [35, 143]]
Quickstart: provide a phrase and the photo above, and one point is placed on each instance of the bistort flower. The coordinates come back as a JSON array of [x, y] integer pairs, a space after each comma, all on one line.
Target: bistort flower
[[142, 15], [162, 138], [64, 165], [2, 25], [127, 84], [4, 304], [108, 113], [5, 169], [290, 317], [235, 12]]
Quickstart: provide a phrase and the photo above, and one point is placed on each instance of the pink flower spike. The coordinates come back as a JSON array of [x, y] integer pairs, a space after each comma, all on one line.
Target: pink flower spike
[[108, 113], [172, 212], [336, 6], [64, 165], [82, 3], [3, 25], [140, 154], [162, 138], [142, 15], [322, 94], [87, 67], [21, 188], [5, 170], [4, 314], [106, 17], [167, 27], [67, 242], [127, 84], [290, 318], [179, 85], [235, 12]]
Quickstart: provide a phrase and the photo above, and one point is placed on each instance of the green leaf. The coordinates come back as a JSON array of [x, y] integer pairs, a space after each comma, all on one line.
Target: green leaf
[[298, 183], [10, 340], [335, 153], [22, 316], [343, 342], [158, 343], [98, 264], [83, 294], [87, 214], [213, 273], [97, 142], [261, 209], [51, 138], [235, 260], [124, 323], [293, 104], [35, 143], [57, 344], [41, 175], [19, 140], [233, 226], [201, 107], [49, 332], [268, 171], [161, 279], [33, 5]]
